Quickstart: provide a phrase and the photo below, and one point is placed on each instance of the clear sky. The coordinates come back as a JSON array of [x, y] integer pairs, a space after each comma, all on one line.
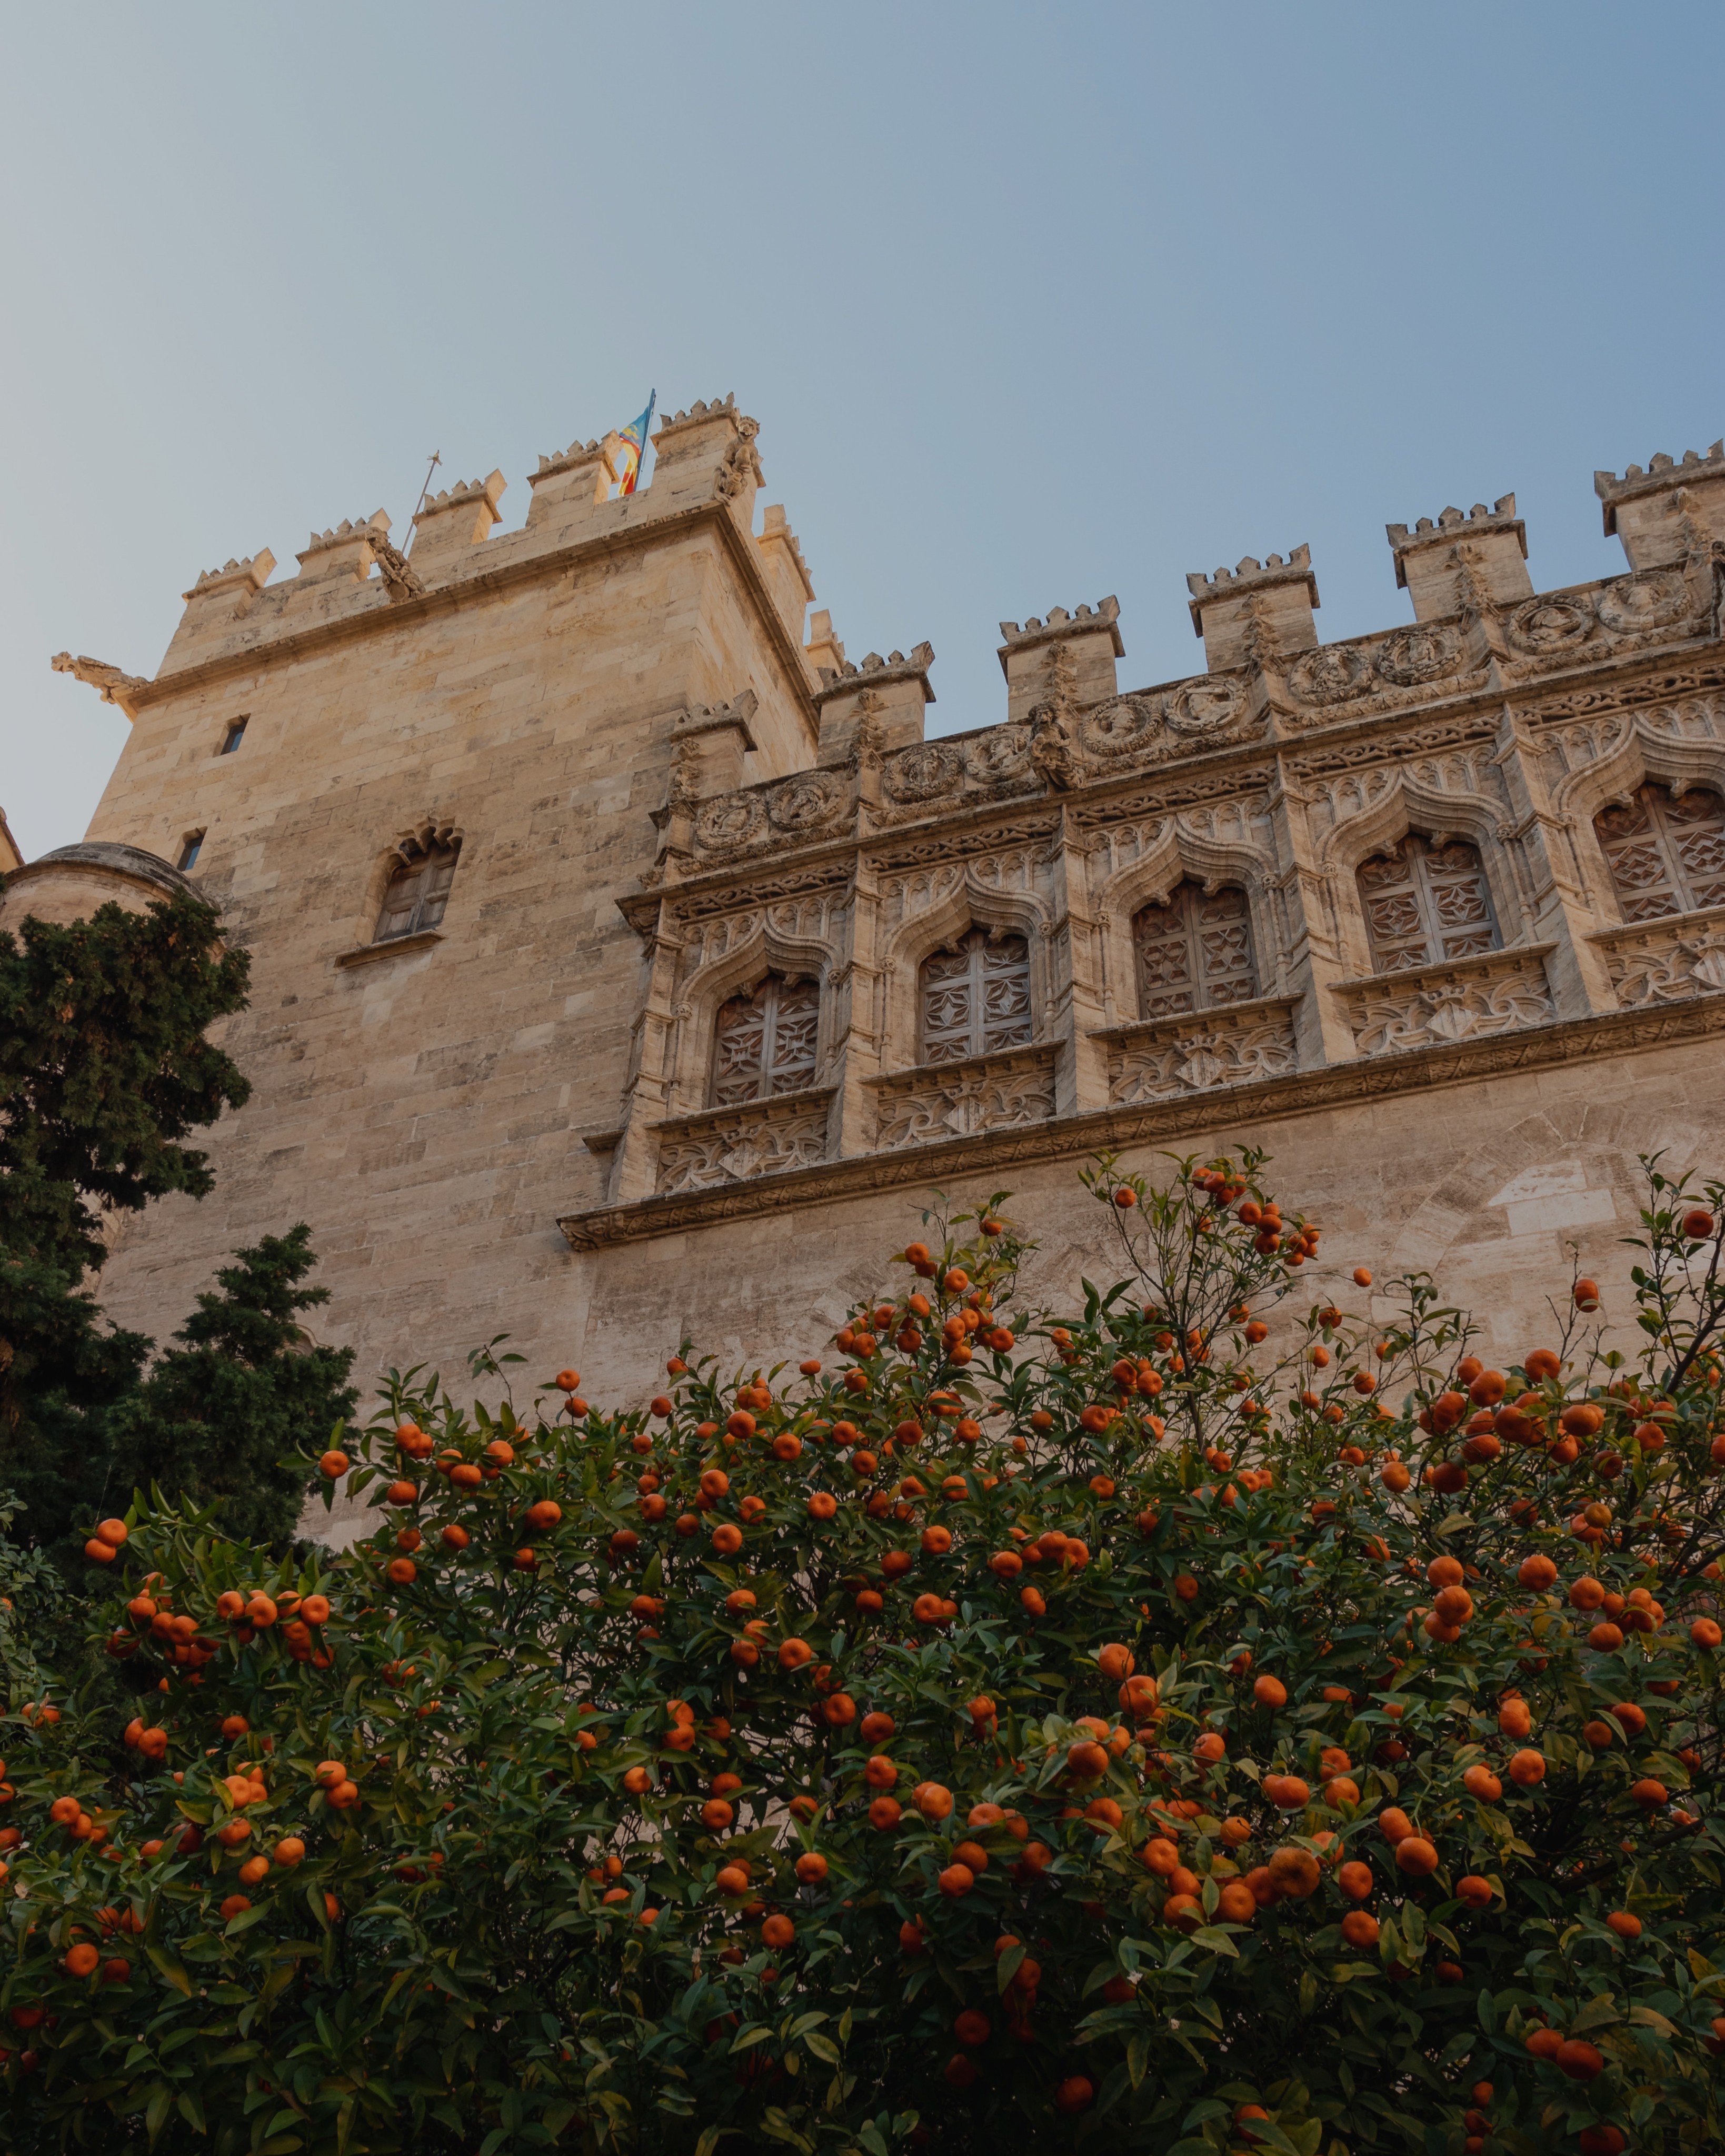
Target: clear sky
[[1032, 305]]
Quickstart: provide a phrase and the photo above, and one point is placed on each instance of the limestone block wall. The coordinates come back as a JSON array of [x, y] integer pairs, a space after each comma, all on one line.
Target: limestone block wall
[[661, 797]]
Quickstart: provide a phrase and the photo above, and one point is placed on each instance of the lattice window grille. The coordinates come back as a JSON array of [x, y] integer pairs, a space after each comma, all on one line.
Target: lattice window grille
[[1194, 953], [1666, 851], [765, 1041], [1426, 903], [975, 998]]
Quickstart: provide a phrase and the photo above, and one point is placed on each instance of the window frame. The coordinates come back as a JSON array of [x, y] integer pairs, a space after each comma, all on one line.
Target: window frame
[[190, 846], [1201, 983], [976, 944], [1654, 799], [767, 992], [235, 734], [1415, 850], [421, 867]]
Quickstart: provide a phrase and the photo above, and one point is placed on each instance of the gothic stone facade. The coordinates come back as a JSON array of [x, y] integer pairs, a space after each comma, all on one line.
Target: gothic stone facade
[[628, 964]]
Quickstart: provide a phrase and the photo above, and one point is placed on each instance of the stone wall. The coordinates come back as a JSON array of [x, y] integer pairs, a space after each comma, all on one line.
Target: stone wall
[[661, 793]]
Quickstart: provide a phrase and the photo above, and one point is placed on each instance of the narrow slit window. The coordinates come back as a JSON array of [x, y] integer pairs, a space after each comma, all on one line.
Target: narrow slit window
[[190, 847], [1424, 903], [1194, 952], [975, 996], [419, 890], [1666, 851], [234, 736], [765, 1041]]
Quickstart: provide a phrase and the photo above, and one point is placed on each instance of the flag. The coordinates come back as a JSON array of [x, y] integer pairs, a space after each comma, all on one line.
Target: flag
[[634, 440]]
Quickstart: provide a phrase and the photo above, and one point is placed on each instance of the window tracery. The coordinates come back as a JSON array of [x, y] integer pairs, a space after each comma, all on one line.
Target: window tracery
[[1666, 851], [1194, 952], [764, 1042], [1424, 903], [975, 996]]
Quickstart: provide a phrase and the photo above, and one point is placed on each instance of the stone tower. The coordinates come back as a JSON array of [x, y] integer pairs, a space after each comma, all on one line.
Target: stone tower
[[627, 962]]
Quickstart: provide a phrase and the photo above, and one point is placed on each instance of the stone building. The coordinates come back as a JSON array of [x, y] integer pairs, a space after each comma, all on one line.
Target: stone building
[[628, 963]]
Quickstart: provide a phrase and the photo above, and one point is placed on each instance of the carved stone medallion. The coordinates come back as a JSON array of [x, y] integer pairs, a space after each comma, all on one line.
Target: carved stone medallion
[[1550, 624], [802, 804], [733, 819], [1127, 726], [1331, 674], [1424, 653], [1650, 600], [919, 774], [1203, 706], [998, 755]]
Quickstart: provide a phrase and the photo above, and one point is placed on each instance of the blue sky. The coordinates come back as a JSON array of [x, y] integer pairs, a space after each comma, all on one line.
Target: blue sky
[[1032, 305]]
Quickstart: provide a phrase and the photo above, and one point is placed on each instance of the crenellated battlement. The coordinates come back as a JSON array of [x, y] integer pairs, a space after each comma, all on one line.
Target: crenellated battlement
[[1446, 563], [249, 576], [1465, 572], [1255, 607]]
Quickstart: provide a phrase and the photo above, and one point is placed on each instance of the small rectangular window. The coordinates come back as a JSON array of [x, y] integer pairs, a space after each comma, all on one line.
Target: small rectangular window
[[419, 890], [236, 735], [189, 849]]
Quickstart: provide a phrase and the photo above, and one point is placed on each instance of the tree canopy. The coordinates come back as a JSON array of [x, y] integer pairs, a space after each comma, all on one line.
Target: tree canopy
[[105, 1070], [1203, 1719]]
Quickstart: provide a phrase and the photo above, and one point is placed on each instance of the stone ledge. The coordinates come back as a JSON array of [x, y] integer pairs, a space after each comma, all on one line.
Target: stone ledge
[[1574, 1041], [390, 946]]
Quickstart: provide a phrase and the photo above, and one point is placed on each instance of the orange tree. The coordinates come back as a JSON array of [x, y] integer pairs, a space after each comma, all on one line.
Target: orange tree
[[1192, 1722]]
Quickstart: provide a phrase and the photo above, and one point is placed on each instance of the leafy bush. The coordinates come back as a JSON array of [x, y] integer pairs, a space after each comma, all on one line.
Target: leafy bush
[[1136, 1727]]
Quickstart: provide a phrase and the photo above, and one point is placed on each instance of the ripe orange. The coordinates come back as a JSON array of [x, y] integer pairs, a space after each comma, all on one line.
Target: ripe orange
[[1294, 1873]]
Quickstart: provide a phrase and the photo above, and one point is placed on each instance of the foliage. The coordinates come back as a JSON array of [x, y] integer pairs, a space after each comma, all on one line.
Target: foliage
[[220, 1419], [104, 1071], [1035, 1730]]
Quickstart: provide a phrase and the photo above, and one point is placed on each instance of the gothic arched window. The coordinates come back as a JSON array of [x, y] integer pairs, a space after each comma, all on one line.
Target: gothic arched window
[[975, 996], [419, 890], [1194, 953], [764, 1042], [1424, 903], [1666, 851]]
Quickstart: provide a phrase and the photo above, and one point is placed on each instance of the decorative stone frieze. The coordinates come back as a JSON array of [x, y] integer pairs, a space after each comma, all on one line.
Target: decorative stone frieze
[[732, 1145], [1459, 999], [1170, 1057], [1664, 962], [1000, 1092]]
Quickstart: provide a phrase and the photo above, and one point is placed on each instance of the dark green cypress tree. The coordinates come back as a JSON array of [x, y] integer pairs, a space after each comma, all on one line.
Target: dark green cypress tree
[[103, 1071], [215, 1417]]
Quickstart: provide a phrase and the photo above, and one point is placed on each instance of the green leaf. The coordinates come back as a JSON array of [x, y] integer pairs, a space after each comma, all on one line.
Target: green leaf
[[869, 2136], [823, 2047], [1137, 2055], [1599, 2012], [1007, 1966], [1646, 2017], [172, 1967], [747, 2038]]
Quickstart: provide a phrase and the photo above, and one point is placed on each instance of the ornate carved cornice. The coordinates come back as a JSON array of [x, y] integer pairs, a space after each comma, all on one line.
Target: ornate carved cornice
[[1177, 1123]]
